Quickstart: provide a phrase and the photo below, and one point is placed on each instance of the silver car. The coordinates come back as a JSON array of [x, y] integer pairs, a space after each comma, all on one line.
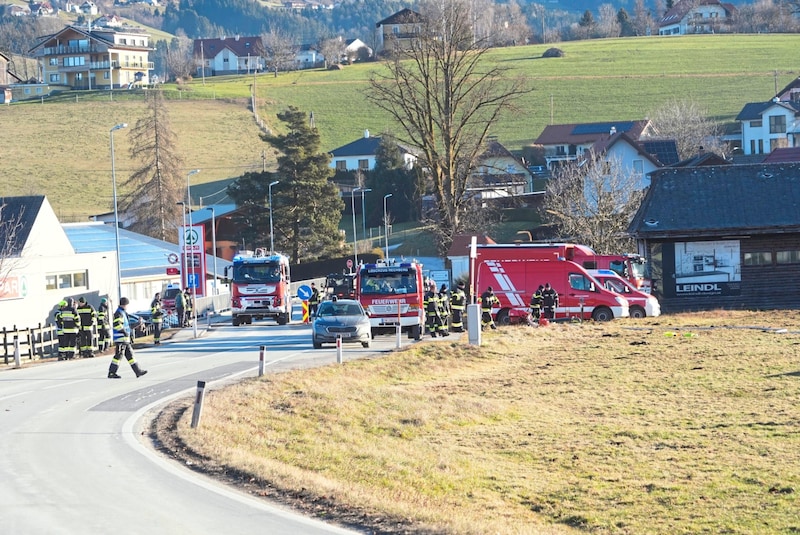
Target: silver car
[[342, 317]]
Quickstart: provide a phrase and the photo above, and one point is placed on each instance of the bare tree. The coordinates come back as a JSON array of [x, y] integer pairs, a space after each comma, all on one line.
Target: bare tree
[[179, 59], [688, 123], [332, 50], [157, 185], [592, 203], [10, 247], [642, 20], [607, 23], [512, 28], [279, 52], [445, 98]]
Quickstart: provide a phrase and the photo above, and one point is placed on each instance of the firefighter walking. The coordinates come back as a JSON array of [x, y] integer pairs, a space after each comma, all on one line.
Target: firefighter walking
[[68, 322], [488, 300], [458, 303], [157, 317], [122, 342], [88, 318]]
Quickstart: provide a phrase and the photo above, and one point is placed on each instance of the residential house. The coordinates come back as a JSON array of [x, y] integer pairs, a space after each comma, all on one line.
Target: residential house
[[308, 57], [109, 21], [15, 10], [767, 126], [355, 49], [7, 78], [71, 6], [789, 154], [359, 155], [722, 236], [397, 31], [42, 9], [697, 16], [97, 58], [229, 55], [499, 174], [89, 8], [568, 142], [631, 157]]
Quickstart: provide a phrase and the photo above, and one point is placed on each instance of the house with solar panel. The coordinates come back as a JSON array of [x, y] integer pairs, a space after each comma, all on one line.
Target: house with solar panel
[[773, 124], [635, 158]]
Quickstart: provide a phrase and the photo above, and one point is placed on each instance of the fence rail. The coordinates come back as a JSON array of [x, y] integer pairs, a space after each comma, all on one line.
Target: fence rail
[[40, 341]]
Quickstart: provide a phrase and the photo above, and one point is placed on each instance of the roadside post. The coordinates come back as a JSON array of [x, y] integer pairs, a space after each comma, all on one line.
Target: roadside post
[[399, 328], [304, 293], [17, 363], [474, 324], [198, 403], [261, 360], [339, 357]]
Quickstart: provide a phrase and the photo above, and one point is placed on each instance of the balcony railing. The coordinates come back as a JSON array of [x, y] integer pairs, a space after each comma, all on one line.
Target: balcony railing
[[58, 50], [148, 65]]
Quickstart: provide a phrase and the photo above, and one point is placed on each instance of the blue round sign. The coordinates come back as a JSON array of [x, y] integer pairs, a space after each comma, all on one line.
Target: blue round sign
[[304, 292]]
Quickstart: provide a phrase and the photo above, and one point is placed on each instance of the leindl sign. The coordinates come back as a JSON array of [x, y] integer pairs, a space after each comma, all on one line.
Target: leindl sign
[[193, 259]]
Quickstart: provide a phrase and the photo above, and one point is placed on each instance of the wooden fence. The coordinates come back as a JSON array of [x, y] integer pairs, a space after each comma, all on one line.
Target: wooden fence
[[34, 342]]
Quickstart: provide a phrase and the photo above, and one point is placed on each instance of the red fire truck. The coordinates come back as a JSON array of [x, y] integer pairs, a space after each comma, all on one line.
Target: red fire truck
[[393, 295], [515, 271], [629, 266], [260, 287]]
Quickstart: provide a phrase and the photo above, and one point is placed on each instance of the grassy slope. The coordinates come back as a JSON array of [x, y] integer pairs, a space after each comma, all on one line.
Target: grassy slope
[[623, 427], [596, 81]]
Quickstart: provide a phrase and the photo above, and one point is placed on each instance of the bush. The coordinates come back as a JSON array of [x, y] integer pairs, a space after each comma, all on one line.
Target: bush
[[553, 53]]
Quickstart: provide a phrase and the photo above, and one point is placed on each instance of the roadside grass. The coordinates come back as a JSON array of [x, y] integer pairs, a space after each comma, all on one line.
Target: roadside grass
[[677, 424], [597, 80]]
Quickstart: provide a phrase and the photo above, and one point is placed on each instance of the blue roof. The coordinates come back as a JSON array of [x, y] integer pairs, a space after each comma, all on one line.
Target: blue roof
[[601, 128], [140, 255], [365, 146], [202, 215]]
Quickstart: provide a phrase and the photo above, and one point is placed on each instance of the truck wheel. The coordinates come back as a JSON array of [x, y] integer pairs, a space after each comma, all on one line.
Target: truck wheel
[[365, 344], [602, 314], [503, 318], [373, 332], [282, 319], [416, 332], [638, 312], [235, 321], [317, 345]]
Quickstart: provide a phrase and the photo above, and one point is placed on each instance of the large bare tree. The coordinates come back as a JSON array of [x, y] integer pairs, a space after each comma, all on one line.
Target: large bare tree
[[688, 123], [445, 98], [278, 51], [10, 227], [157, 184], [592, 203]]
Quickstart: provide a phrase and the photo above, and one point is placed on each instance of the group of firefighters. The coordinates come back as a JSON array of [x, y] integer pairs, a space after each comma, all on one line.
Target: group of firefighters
[[82, 330], [444, 311]]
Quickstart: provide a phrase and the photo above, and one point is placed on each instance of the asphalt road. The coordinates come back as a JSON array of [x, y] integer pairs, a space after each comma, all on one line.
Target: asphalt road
[[75, 460]]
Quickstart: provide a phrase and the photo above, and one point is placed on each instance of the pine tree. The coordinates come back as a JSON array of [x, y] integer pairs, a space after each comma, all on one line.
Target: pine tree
[[306, 206], [157, 185]]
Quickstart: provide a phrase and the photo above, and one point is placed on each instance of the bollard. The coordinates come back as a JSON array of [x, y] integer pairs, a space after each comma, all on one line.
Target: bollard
[[198, 403], [399, 342], [261, 361], [339, 349], [17, 363]]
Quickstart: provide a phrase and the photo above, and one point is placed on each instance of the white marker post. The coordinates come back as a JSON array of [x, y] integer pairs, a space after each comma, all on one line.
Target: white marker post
[[17, 363], [198, 403], [261, 360], [339, 358], [399, 327]]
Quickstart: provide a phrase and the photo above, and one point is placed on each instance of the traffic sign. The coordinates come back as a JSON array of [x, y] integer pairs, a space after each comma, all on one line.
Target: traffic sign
[[304, 292], [173, 258], [173, 271], [193, 280]]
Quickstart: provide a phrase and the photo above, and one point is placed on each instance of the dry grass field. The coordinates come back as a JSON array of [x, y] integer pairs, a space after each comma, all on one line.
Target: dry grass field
[[678, 424]]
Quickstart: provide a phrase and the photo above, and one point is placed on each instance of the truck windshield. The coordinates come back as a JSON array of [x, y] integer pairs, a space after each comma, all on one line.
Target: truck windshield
[[267, 272], [388, 282], [639, 270]]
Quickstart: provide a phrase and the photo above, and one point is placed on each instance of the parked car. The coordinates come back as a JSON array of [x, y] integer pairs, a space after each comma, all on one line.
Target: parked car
[[340, 317]]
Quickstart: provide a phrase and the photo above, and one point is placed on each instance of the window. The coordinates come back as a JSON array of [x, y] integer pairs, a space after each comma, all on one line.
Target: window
[[54, 61], [579, 282], [105, 75], [341, 165], [79, 279], [55, 78], [363, 165], [65, 281], [777, 124], [74, 61], [59, 281], [755, 124], [787, 257], [50, 282], [758, 259]]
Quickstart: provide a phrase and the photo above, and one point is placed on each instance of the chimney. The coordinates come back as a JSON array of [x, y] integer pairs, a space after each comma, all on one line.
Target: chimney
[[366, 134], [612, 131], [237, 38]]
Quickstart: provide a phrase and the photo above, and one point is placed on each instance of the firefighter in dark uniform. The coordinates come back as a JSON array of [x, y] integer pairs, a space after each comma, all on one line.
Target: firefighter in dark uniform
[[536, 304], [122, 342], [70, 327], [62, 341], [88, 317], [103, 325], [431, 304], [444, 311], [458, 302], [549, 301], [157, 317], [313, 301], [488, 300]]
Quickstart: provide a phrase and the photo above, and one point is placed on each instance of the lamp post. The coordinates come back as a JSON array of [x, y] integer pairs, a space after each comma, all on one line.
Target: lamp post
[[271, 231], [364, 213], [214, 244], [355, 237], [386, 225], [116, 212], [185, 236]]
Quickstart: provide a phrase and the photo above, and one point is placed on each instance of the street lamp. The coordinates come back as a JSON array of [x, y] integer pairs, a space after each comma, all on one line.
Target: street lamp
[[386, 224], [355, 237], [271, 231], [214, 244], [364, 213], [116, 212], [185, 236]]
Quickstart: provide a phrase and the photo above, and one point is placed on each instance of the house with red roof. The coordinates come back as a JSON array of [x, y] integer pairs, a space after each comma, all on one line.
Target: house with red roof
[[229, 55]]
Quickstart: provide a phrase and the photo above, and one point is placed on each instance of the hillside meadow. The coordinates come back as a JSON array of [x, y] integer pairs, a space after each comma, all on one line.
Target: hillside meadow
[[59, 146], [676, 424]]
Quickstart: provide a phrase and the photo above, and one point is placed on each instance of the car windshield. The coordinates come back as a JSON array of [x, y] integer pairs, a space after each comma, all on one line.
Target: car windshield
[[339, 309]]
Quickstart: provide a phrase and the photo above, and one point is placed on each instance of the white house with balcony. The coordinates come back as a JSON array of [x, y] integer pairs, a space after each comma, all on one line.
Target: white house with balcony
[[359, 155], [696, 16], [767, 126]]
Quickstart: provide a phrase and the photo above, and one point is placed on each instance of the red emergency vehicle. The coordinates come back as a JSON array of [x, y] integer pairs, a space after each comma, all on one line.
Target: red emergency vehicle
[[515, 271], [393, 294], [640, 304], [260, 287]]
